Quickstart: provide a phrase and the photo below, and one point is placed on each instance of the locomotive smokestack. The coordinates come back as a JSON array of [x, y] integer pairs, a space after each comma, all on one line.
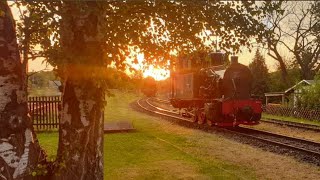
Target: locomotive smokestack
[[234, 59]]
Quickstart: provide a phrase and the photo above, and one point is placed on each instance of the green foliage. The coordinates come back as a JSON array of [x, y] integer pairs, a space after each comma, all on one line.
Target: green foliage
[[41, 79], [259, 70], [310, 95], [37, 24], [176, 26], [276, 84], [119, 80]]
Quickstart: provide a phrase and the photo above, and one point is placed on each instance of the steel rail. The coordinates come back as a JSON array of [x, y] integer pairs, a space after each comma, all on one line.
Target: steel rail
[[281, 140], [292, 124], [309, 148]]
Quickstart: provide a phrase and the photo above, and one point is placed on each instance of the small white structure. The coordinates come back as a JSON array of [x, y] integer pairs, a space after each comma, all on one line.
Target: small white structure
[[295, 90]]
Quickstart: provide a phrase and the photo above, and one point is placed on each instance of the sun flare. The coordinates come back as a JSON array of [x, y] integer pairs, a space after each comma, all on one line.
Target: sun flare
[[157, 72]]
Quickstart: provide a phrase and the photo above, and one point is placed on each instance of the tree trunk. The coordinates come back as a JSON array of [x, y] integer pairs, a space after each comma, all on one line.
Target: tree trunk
[[25, 59], [19, 148], [81, 127], [81, 133], [307, 74], [272, 45], [284, 72]]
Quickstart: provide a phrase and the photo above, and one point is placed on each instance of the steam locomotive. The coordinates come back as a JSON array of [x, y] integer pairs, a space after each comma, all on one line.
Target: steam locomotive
[[209, 93]]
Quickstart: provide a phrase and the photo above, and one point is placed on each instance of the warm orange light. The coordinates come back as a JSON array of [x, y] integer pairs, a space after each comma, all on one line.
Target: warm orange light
[[158, 73]]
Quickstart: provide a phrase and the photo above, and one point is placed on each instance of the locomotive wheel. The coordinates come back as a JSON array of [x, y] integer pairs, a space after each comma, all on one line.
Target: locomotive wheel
[[194, 111], [210, 123], [195, 118], [201, 118]]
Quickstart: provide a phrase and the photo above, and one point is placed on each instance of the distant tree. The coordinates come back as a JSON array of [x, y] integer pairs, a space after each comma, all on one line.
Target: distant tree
[[294, 76], [276, 84], [149, 87], [41, 79], [315, 10], [32, 30], [259, 69], [116, 79], [296, 29]]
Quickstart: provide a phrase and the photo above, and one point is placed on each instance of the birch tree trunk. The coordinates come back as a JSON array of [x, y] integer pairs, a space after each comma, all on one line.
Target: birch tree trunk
[[19, 149], [81, 128]]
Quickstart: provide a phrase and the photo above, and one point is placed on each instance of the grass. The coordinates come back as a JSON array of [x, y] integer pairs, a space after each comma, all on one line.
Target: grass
[[49, 141], [161, 150], [291, 119], [154, 152], [43, 92]]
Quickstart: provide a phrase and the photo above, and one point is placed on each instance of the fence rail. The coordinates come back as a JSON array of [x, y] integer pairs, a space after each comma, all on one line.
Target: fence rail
[[44, 111], [303, 113]]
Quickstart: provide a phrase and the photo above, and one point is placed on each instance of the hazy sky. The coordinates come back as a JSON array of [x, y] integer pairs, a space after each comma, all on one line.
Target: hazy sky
[[244, 58]]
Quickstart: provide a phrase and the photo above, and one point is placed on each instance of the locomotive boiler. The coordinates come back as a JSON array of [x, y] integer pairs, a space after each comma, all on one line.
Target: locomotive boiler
[[212, 93]]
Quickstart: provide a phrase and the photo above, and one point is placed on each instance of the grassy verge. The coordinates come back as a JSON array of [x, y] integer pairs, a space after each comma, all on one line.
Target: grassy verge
[[292, 119], [155, 152]]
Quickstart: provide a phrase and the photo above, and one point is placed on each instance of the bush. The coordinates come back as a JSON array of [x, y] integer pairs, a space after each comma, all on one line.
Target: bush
[[310, 96]]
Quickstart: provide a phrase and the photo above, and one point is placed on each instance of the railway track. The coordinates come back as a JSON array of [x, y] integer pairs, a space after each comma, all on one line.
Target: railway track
[[308, 127], [292, 124], [305, 150]]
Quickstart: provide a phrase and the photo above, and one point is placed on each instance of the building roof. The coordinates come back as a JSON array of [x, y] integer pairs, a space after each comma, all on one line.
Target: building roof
[[307, 82], [274, 94], [55, 83]]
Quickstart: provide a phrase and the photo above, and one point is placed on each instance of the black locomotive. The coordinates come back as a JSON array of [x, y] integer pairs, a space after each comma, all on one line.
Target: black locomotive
[[209, 92]]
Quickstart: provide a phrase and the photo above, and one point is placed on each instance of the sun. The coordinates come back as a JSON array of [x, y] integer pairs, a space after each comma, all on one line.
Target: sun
[[157, 72]]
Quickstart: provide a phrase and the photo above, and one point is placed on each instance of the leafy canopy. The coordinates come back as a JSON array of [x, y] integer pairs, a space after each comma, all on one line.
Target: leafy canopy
[[156, 27]]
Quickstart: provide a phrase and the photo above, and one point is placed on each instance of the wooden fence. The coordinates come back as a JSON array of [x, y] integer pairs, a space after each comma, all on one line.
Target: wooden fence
[[44, 111], [293, 112]]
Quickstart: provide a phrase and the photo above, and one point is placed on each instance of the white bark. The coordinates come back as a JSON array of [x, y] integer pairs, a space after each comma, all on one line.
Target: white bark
[[22, 166], [19, 153]]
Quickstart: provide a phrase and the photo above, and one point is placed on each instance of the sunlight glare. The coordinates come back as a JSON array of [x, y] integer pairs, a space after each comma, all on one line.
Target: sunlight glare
[[156, 72]]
